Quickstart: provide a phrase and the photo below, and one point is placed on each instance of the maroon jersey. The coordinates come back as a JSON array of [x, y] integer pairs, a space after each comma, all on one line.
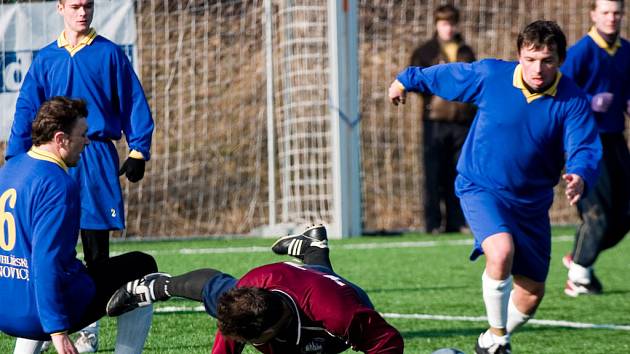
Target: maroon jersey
[[329, 316]]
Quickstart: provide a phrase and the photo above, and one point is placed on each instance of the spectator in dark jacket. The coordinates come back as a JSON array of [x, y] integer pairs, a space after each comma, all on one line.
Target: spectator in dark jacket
[[445, 125]]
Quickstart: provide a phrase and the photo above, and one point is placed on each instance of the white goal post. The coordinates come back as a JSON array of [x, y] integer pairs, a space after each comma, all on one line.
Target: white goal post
[[344, 116]]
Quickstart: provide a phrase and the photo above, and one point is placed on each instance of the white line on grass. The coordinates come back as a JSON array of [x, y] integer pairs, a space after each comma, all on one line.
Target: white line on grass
[[548, 323], [357, 246], [413, 316]]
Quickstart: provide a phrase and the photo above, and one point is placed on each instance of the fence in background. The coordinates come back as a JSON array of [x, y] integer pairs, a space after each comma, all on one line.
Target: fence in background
[[203, 66]]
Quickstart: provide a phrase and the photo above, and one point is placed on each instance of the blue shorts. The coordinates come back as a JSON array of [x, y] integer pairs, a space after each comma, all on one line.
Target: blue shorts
[[488, 214], [96, 173], [214, 288]]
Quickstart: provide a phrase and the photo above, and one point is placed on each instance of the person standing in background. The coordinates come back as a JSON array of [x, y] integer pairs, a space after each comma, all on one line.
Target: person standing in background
[[600, 64], [445, 125]]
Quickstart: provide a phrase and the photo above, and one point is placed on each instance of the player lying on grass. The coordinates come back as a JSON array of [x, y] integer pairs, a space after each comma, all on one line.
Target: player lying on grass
[[45, 291], [529, 120], [277, 308]]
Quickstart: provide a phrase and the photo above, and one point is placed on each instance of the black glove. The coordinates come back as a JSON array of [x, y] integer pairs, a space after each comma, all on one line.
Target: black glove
[[133, 169]]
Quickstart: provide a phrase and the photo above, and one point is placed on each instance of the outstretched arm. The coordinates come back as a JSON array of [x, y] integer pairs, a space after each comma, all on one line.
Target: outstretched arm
[[370, 334], [397, 93], [223, 345], [455, 82]]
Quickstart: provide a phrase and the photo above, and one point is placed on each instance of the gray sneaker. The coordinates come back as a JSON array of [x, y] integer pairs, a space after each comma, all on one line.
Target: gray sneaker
[[87, 342]]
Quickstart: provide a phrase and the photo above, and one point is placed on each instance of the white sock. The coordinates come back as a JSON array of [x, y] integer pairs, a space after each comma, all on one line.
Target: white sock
[[515, 317], [579, 274], [496, 294], [92, 328], [27, 346], [133, 328]]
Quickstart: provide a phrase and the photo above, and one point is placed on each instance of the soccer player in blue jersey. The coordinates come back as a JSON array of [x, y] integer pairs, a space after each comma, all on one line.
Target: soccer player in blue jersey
[[45, 291], [82, 64], [600, 64], [530, 119]]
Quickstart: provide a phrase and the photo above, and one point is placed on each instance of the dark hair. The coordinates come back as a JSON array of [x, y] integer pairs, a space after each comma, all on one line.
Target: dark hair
[[540, 34], [594, 4], [447, 13], [54, 115], [244, 313]]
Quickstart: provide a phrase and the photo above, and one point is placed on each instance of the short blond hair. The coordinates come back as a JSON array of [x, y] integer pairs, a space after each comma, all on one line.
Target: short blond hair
[[594, 3]]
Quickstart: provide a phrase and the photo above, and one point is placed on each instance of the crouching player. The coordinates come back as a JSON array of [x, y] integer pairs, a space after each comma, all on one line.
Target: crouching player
[[45, 291], [277, 308]]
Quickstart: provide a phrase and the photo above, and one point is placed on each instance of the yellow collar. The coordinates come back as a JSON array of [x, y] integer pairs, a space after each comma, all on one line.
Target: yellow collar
[[41, 154], [601, 42], [62, 42], [450, 49], [517, 81]]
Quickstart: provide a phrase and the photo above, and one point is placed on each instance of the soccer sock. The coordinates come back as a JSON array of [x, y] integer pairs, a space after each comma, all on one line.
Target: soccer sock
[[496, 294], [189, 285], [95, 246], [318, 256], [132, 330], [579, 274], [515, 317], [27, 346]]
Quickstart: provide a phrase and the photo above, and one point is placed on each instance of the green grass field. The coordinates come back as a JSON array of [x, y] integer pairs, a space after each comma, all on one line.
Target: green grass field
[[411, 274]]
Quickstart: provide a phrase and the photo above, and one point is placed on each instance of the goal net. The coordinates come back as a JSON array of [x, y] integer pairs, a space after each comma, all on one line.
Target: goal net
[[217, 169]]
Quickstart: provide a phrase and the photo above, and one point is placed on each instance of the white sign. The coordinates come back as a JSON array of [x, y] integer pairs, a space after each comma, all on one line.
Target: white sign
[[27, 27]]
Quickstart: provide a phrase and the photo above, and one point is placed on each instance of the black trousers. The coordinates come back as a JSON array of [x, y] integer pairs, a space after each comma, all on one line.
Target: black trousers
[[605, 211], [443, 143], [109, 275], [95, 246]]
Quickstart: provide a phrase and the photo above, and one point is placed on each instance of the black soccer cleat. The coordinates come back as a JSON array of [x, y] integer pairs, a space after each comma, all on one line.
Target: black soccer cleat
[[575, 289], [494, 349], [134, 294], [296, 245]]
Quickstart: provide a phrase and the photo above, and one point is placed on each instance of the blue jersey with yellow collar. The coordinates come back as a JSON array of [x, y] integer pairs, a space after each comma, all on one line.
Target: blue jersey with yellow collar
[[97, 71], [517, 143], [44, 288], [597, 68]]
